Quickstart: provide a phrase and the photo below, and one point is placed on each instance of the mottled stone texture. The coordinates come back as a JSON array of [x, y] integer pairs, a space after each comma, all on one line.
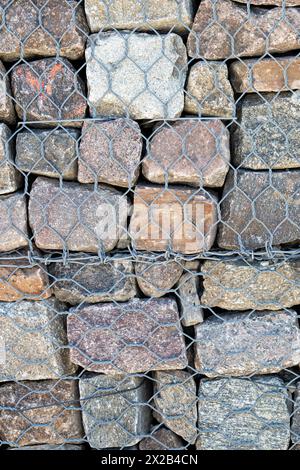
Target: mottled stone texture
[[10, 178], [188, 151], [295, 428], [136, 336], [137, 74], [162, 438], [42, 28], [156, 279], [13, 222], [190, 309], [116, 413], [7, 110], [40, 412], [259, 208], [243, 414], [247, 343], [288, 3]]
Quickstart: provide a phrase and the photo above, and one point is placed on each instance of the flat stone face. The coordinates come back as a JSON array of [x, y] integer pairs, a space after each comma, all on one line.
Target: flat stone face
[[116, 413], [40, 412], [136, 74], [238, 285], [50, 153], [75, 216], [42, 28], [268, 134], [226, 30], [48, 90], [180, 218], [209, 91], [162, 439], [175, 402], [13, 222], [161, 15], [247, 343], [7, 110], [136, 336], [188, 151], [93, 282], [295, 427], [155, 279], [254, 209], [243, 414], [33, 340], [10, 178], [110, 152], [191, 311]]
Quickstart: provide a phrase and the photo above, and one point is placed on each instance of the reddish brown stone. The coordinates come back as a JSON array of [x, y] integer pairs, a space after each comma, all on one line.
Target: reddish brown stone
[[162, 439], [156, 279], [13, 222]]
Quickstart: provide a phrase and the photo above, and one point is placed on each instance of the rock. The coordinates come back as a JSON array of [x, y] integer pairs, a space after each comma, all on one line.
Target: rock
[[136, 336], [191, 312], [34, 339], [76, 217], [40, 412], [259, 285], [93, 282], [51, 153], [254, 209], [273, 74], [47, 447], [49, 90], [10, 178], [13, 222], [158, 15], [267, 135], [295, 427], [182, 219], [209, 91], [7, 110], [188, 151], [288, 3], [156, 279], [243, 414], [247, 343], [110, 152], [227, 30], [136, 74], [42, 28], [162, 439], [175, 402], [115, 414]]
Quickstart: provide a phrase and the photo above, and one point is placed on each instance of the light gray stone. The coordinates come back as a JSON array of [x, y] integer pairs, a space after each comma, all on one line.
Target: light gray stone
[[191, 311], [7, 110], [13, 222], [156, 279], [295, 428], [10, 178]]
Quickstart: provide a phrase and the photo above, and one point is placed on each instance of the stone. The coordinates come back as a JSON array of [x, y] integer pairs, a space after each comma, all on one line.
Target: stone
[[110, 152], [156, 279], [76, 217], [158, 15], [136, 75], [42, 28], [177, 218], [240, 344], [288, 3], [50, 153], [162, 439], [208, 91], [188, 151], [258, 285], [268, 135], [33, 339], [13, 222], [93, 282], [116, 412], [175, 402], [7, 110], [135, 336], [295, 427], [44, 412], [259, 208], [10, 178], [49, 90], [226, 30], [191, 312], [243, 414], [272, 74], [47, 447]]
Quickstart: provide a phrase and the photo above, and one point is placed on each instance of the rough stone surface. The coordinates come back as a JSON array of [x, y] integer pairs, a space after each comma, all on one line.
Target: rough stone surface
[[74, 217], [93, 282], [182, 219], [50, 447], [48, 90], [42, 28], [259, 208], [225, 30], [33, 340], [50, 153], [190, 309], [136, 336], [295, 428], [188, 151], [110, 152], [156, 279], [117, 414], [40, 412], [268, 134], [162, 439], [247, 343], [208, 91], [10, 178], [175, 402], [7, 110], [288, 3], [243, 414], [137, 74], [13, 222], [259, 285]]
